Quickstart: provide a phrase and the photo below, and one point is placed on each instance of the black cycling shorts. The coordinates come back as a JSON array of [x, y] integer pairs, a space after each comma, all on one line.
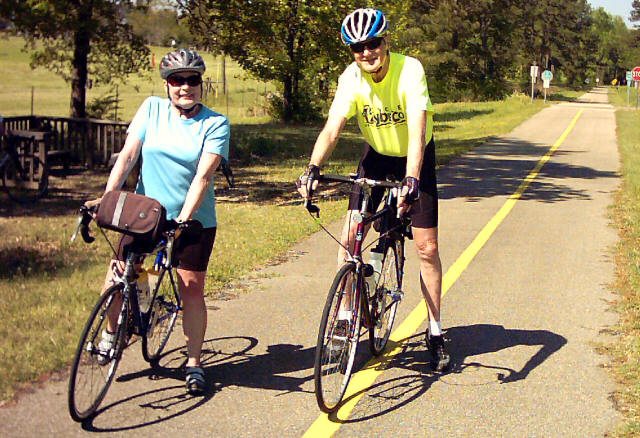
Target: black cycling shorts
[[424, 212], [191, 250]]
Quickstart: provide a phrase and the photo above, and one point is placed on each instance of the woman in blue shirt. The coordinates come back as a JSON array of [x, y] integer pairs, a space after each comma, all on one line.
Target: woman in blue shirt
[[182, 143]]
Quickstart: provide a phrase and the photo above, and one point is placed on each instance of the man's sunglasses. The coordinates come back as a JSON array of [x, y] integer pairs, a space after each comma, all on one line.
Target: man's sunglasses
[[371, 45], [179, 81]]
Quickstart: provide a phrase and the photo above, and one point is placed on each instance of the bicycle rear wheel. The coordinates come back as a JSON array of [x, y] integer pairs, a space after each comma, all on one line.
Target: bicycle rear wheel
[[337, 339], [165, 306], [384, 302], [94, 367], [29, 185]]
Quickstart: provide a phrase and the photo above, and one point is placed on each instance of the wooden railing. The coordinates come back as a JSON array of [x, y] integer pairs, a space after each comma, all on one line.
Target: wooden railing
[[88, 142]]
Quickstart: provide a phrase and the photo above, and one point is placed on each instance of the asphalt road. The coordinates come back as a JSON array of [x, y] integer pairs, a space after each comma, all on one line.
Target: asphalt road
[[522, 319]]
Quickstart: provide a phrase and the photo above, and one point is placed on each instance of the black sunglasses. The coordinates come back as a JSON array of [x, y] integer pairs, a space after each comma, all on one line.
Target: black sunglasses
[[179, 81], [371, 45]]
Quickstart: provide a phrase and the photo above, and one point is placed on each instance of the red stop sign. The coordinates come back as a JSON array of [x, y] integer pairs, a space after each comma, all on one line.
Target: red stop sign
[[635, 73]]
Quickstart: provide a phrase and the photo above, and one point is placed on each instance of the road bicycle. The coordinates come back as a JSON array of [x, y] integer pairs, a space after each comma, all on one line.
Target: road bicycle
[[359, 295], [151, 317], [25, 177]]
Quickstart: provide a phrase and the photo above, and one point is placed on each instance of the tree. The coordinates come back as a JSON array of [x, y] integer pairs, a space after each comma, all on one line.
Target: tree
[[158, 24], [468, 48], [78, 39], [293, 42]]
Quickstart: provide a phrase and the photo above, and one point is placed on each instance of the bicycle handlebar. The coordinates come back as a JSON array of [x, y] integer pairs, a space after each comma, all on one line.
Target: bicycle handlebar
[[352, 179], [87, 215]]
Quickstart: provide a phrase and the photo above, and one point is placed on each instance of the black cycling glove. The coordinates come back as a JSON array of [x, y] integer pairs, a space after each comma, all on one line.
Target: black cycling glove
[[411, 189], [311, 174]]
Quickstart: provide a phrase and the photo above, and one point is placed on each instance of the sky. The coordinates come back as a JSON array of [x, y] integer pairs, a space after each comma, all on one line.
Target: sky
[[614, 7]]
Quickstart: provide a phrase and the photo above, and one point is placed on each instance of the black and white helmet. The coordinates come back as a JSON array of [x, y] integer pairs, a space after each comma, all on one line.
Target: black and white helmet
[[181, 60], [362, 25]]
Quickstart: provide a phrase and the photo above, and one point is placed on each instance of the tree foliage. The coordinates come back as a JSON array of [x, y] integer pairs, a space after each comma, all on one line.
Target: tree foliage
[[293, 42], [79, 39], [158, 24]]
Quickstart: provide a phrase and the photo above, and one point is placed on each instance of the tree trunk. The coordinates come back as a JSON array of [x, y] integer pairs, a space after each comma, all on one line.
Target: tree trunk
[[79, 71]]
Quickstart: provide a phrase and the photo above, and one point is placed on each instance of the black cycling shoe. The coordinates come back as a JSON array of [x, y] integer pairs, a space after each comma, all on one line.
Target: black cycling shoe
[[439, 357]]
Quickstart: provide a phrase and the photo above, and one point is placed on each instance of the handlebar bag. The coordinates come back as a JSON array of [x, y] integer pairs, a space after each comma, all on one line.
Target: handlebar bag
[[133, 214]]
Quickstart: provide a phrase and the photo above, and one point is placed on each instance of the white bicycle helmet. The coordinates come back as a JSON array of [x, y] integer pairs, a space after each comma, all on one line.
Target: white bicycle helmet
[[362, 25]]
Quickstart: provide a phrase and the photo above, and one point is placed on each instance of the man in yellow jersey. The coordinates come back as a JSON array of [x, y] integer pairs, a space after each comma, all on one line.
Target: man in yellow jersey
[[388, 94]]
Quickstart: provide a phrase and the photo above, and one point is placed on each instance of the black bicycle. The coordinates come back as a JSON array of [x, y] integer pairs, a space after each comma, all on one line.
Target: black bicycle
[[25, 177], [148, 309], [359, 295]]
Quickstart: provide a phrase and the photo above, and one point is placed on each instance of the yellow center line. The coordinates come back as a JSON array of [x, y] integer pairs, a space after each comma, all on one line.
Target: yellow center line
[[327, 425]]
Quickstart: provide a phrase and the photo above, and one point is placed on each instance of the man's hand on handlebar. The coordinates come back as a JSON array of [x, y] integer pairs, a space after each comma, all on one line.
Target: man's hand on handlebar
[[308, 181], [409, 193]]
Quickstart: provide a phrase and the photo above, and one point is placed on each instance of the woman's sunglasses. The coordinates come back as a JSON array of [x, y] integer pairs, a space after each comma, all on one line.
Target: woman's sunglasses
[[179, 81], [371, 45]]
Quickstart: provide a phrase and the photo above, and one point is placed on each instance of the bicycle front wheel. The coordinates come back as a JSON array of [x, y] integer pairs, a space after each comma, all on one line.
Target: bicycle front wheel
[[95, 362], [27, 185], [385, 299], [337, 339], [164, 309]]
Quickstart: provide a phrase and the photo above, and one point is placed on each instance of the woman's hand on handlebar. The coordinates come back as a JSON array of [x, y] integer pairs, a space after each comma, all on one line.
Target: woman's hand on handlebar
[[93, 204]]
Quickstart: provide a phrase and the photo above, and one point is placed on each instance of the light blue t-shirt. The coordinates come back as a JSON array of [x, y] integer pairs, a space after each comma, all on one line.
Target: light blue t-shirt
[[171, 148]]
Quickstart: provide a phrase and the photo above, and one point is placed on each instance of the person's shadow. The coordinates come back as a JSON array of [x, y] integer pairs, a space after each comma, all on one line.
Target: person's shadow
[[463, 344], [227, 362]]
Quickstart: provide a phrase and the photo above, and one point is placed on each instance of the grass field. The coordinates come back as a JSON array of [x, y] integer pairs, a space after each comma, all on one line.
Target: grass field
[[47, 285], [244, 101], [626, 216]]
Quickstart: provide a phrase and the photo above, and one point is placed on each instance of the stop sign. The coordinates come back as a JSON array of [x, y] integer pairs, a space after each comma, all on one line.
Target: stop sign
[[635, 73]]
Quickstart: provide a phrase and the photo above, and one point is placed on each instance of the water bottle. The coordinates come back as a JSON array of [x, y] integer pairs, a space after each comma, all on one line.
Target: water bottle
[[375, 261], [144, 291]]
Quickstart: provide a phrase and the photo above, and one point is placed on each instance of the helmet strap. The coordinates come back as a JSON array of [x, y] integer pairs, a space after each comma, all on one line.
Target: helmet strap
[[182, 110]]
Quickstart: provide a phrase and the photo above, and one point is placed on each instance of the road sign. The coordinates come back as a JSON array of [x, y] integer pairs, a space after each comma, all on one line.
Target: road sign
[[534, 72], [635, 74], [547, 75], [629, 76]]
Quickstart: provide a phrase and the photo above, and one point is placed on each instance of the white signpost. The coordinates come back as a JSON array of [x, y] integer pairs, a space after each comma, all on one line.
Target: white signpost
[[629, 80], [534, 78]]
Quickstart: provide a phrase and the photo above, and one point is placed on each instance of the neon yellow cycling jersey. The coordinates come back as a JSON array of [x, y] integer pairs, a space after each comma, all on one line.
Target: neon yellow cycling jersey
[[382, 107]]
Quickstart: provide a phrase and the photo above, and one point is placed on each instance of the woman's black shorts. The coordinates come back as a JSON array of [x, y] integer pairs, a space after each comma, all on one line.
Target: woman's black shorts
[[191, 250], [424, 212]]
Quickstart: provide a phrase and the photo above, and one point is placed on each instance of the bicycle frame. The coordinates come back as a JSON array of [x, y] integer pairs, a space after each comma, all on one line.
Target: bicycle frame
[[362, 218]]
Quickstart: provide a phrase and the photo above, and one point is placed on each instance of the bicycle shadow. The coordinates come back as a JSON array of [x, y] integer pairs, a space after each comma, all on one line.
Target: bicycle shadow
[[463, 343], [227, 361]]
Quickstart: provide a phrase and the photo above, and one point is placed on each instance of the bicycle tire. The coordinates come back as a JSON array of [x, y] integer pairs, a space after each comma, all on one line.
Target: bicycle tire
[[89, 379], [335, 354], [165, 305], [19, 186], [383, 300]]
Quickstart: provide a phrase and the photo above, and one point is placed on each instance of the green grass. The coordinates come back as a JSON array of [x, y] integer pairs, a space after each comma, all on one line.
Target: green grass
[[47, 286], [625, 351], [51, 94]]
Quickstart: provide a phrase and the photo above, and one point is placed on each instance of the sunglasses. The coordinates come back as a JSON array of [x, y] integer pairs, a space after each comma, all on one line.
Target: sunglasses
[[371, 45], [179, 81]]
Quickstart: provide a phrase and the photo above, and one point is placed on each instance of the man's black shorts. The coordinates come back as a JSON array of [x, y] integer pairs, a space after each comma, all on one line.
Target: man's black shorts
[[191, 250], [424, 212]]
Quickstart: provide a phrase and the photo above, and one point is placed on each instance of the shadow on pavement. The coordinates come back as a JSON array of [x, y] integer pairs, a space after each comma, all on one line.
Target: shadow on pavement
[[463, 343], [227, 362], [499, 167]]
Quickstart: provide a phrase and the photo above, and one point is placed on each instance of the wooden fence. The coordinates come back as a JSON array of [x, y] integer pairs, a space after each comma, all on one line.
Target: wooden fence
[[88, 142]]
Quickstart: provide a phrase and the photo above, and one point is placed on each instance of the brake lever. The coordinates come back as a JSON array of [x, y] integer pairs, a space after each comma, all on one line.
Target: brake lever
[[312, 208]]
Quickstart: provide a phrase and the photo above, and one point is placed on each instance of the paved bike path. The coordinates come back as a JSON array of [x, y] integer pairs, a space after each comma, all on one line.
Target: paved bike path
[[521, 319]]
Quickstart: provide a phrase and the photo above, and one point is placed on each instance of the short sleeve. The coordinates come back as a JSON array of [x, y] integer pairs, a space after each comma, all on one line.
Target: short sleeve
[[138, 126], [416, 90], [344, 103], [217, 139]]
